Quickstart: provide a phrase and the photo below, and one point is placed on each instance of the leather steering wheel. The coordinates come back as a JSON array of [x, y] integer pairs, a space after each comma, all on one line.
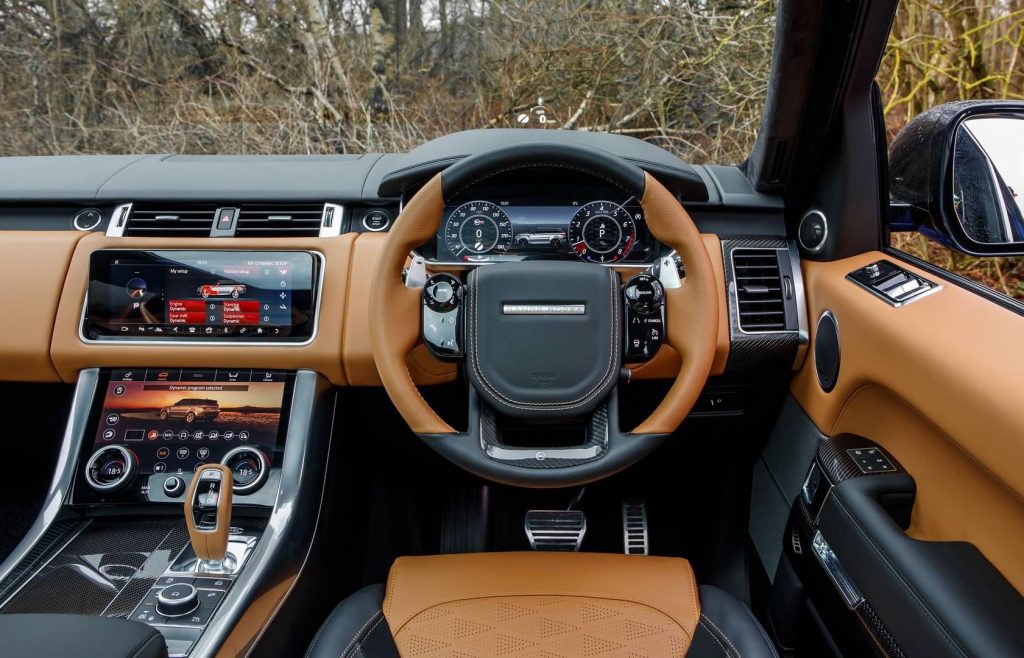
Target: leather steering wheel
[[583, 388]]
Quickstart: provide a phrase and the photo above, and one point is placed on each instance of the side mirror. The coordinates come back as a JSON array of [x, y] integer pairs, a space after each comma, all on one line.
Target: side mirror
[[956, 174]]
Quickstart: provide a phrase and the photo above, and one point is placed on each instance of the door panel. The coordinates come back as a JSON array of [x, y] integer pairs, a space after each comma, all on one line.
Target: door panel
[[939, 383]]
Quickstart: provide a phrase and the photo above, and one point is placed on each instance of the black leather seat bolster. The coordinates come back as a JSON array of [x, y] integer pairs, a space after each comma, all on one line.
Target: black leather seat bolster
[[728, 628], [356, 629], [50, 636]]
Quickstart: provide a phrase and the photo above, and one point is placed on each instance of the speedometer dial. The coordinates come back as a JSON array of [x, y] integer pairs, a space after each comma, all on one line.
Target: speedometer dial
[[602, 232], [476, 228]]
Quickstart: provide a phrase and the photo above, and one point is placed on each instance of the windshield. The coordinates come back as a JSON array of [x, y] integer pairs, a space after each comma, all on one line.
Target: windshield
[[356, 76]]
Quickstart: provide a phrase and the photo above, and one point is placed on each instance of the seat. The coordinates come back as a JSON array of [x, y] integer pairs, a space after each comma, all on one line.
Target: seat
[[540, 605]]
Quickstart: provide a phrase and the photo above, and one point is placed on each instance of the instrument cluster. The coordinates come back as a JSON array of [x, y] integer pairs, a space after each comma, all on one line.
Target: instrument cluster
[[597, 231]]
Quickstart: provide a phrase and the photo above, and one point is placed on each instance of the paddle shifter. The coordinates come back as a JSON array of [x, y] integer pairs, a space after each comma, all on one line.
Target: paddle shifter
[[208, 515]]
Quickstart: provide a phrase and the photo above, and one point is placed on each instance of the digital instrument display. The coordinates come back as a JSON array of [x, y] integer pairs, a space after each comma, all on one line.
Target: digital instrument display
[[596, 231], [201, 295], [173, 420]]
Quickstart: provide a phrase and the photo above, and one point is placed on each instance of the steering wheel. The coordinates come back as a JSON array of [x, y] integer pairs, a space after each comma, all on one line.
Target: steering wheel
[[543, 340]]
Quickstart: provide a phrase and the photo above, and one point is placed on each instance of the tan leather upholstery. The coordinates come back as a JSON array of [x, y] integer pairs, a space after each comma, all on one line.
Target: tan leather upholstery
[[692, 313], [32, 270], [540, 604], [210, 545], [357, 351], [939, 383]]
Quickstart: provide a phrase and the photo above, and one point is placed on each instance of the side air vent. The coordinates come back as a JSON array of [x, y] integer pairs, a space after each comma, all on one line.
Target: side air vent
[[759, 293], [171, 219], [279, 220]]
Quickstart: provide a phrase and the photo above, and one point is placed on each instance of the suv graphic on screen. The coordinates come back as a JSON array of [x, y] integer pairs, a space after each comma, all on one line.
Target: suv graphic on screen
[[222, 289], [192, 409]]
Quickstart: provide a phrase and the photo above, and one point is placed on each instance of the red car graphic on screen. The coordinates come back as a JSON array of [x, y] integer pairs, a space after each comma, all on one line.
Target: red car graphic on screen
[[222, 289]]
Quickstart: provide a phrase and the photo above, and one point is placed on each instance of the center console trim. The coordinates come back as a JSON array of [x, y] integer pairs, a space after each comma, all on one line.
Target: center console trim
[[64, 475], [319, 287], [311, 401]]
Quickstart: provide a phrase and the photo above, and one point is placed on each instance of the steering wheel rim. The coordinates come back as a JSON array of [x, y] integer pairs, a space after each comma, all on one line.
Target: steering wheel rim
[[691, 314]]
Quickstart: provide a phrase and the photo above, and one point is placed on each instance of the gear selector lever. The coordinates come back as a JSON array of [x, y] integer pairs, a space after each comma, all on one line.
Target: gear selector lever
[[208, 515]]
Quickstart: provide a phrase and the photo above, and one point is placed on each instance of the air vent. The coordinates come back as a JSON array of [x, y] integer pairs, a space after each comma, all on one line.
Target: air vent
[[759, 290], [279, 220], [171, 219]]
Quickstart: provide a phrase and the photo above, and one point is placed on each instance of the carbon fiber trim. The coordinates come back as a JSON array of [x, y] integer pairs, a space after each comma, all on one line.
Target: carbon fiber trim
[[597, 439], [55, 537], [838, 465], [756, 350], [105, 570], [877, 632]]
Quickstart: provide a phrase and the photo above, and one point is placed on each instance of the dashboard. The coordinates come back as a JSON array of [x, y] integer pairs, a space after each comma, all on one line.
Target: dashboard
[[523, 217]]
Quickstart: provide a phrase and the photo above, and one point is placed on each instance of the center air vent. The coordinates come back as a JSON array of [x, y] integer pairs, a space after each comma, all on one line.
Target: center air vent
[[759, 294], [171, 219], [279, 220]]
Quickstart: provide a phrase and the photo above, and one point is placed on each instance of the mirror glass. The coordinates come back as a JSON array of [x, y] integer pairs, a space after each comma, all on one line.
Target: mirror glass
[[988, 178]]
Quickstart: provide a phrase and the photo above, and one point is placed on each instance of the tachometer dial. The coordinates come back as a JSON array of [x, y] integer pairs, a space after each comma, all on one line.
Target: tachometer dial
[[476, 228], [602, 232]]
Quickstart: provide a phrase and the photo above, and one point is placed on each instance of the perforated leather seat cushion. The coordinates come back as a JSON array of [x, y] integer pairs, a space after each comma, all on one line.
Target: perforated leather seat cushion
[[539, 605]]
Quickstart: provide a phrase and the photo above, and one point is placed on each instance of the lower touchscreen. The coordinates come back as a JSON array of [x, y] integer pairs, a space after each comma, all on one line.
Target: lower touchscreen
[[175, 420]]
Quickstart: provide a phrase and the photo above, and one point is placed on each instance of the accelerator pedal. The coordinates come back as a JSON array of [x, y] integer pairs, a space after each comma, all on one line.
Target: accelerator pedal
[[634, 527], [555, 530]]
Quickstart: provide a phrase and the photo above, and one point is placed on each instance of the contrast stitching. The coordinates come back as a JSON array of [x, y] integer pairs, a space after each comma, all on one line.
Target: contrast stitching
[[907, 586], [359, 634], [724, 636], [713, 636], [364, 638], [579, 595], [571, 404]]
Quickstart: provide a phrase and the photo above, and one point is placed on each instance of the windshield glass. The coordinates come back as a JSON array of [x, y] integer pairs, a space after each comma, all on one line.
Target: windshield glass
[[355, 76]]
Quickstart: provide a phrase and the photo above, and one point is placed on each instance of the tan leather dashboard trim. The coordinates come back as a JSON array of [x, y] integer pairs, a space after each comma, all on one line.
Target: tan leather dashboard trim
[[418, 584], [939, 384], [323, 354], [33, 270]]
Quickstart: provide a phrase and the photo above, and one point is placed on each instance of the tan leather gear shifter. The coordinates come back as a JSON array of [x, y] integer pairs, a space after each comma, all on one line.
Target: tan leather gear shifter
[[208, 512]]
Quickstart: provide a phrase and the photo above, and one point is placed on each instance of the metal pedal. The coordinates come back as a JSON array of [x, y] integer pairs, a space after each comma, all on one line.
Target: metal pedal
[[555, 530], [634, 527]]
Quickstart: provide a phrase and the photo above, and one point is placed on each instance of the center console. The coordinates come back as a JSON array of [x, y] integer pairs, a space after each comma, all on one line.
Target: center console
[[128, 531], [151, 428]]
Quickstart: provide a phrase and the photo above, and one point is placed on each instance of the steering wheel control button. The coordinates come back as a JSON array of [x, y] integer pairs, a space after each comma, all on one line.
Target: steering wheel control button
[[442, 297], [644, 317], [177, 600], [110, 468], [174, 486]]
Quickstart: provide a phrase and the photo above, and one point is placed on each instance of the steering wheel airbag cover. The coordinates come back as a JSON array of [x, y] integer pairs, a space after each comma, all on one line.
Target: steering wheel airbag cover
[[543, 337]]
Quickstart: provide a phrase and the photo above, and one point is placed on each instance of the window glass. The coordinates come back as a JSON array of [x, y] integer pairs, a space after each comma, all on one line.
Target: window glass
[[948, 51]]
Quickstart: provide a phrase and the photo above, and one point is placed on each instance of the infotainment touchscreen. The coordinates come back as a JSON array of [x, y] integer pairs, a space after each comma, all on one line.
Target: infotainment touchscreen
[[172, 420], [201, 295]]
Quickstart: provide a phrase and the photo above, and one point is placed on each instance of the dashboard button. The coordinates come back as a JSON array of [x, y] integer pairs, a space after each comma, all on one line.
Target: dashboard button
[[174, 486]]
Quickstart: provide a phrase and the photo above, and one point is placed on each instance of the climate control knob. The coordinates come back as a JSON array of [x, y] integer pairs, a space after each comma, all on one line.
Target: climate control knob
[[249, 468], [110, 468]]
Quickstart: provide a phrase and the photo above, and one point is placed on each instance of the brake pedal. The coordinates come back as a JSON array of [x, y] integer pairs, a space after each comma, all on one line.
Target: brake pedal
[[555, 530], [634, 527]]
